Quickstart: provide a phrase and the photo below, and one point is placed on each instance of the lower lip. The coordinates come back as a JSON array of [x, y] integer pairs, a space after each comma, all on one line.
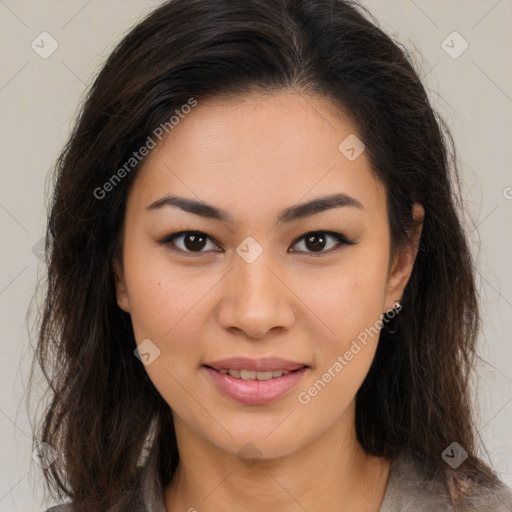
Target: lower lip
[[255, 392]]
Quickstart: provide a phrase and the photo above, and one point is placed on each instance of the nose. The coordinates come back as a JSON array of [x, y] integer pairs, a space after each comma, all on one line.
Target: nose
[[256, 299]]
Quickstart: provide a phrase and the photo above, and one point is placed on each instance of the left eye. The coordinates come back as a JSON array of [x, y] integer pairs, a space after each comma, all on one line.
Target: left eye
[[315, 241]]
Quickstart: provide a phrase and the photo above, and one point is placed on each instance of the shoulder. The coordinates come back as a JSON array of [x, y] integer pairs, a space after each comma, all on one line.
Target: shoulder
[[413, 487], [131, 501], [484, 498]]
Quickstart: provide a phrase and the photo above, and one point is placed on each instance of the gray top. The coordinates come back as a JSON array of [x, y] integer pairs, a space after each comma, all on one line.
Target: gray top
[[409, 489]]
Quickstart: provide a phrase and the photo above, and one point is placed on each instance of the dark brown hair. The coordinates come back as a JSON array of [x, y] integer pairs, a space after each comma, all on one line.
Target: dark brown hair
[[105, 412]]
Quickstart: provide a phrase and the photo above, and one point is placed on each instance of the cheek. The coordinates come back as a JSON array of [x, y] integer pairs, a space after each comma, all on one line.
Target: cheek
[[166, 310], [349, 303], [351, 309], [348, 299], [162, 298]]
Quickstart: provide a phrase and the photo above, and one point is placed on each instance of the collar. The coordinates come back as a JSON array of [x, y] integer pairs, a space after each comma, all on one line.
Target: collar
[[152, 491]]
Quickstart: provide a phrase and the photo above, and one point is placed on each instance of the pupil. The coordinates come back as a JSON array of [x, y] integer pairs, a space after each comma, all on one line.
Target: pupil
[[315, 246], [196, 239]]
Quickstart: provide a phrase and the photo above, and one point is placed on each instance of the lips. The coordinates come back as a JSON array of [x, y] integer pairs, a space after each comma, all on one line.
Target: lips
[[254, 391], [255, 381], [268, 364]]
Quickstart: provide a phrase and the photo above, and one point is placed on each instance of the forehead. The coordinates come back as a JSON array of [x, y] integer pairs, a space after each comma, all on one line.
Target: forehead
[[259, 154]]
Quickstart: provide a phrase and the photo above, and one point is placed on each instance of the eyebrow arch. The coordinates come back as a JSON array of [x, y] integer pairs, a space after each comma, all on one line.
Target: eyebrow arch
[[287, 215]]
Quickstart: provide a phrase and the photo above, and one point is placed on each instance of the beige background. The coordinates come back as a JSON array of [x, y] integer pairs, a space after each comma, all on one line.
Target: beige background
[[39, 97]]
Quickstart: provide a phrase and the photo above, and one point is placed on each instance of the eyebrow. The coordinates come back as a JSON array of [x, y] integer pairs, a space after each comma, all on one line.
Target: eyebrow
[[289, 214]]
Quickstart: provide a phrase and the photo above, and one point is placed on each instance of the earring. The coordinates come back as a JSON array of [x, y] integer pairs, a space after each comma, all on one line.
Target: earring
[[397, 307], [392, 313]]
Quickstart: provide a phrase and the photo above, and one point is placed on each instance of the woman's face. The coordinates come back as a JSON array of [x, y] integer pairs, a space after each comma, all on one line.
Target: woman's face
[[250, 284]]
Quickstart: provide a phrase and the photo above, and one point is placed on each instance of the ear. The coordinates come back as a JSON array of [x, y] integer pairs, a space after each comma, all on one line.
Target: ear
[[120, 283], [403, 262]]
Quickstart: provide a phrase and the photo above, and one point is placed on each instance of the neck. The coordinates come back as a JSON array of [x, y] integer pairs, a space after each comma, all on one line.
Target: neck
[[331, 473]]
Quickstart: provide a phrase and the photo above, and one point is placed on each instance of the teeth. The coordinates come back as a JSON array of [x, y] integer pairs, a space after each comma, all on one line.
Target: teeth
[[247, 374], [253, 375], [263, 375]]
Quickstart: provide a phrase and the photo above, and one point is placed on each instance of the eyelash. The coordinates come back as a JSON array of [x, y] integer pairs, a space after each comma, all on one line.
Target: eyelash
[[342, 240]]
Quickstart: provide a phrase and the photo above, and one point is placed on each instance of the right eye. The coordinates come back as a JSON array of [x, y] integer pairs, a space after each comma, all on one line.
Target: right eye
[[191, 241]]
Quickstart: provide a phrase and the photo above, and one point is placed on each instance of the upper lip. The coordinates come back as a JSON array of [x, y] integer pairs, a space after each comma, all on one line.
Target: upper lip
[[265, 364]]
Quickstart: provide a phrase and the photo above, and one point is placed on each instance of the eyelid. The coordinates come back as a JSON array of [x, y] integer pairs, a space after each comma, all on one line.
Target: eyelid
[[340, 237]]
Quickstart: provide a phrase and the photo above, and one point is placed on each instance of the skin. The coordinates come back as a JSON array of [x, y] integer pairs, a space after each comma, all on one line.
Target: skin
[[204, 306]]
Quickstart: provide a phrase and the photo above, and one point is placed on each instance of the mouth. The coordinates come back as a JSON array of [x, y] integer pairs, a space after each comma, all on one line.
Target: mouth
[[252, 387]]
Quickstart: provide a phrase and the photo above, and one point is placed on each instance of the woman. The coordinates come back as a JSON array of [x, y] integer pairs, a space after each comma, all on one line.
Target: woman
[[260, 292]]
